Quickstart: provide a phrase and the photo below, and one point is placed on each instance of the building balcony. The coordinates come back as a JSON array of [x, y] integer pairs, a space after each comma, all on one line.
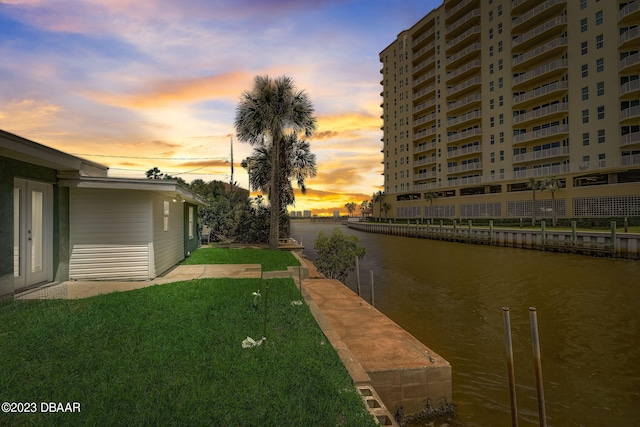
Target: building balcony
[[423, 106], [466, 134], [630, 114], [424, 65], [465, 71], [464, 55], [630, 160], [424, 119], [426, 161], [629, 38], [630, 139], [424, 147], [469, 36], [424, 133], [545, 72], [464, 151], [462, 24], [537, 14], [460, 9], [630, 64], [424, 92], [424, 175], [424, 50], [521, 6], [526, 41], [475, 166], [541, 53], [424, 78], [541, 154], [629, 14], [464, 87], [630, 89], [423, 38], [469, 101], [544, 113], [541, 134], [426, 186], [464, 119], [550, 91]]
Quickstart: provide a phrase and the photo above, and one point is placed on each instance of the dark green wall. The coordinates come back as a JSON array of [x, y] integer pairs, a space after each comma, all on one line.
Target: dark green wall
[[190, 245]]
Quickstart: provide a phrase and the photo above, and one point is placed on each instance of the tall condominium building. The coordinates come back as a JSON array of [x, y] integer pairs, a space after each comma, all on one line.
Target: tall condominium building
[[483, 98]]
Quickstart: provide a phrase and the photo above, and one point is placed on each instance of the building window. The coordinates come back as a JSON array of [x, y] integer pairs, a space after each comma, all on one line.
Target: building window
[[499, 10], [500, 64], [499, 46], [500, 82], [599, 17], [500, 28], [583, 4], [583, 25], [490, 50], [490, 33], [585, 139], [584, 48], [501, 155], [491, 104], [600, 65], [500, 100], [600, 88], [599, 41], [600, 112], [493, 139], [165, 215], [585, 116], [600, 136], [501, 119], [492, 122], [585, 93], [490, 15], [585, 70], [491, 86], [501, 137], [492, 156], [490, 68]]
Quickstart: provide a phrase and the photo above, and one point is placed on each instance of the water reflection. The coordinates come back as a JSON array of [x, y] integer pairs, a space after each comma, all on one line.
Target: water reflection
[[450, 295]]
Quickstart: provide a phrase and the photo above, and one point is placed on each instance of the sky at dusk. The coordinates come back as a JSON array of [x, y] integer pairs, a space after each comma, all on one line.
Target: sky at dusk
[[134, 84]]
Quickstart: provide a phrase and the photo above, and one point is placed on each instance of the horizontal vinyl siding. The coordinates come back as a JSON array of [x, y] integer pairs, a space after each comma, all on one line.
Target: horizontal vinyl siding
[[168, 245], [109, 235]]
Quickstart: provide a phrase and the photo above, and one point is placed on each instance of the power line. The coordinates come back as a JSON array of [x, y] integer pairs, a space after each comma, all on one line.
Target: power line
[[149, 158]]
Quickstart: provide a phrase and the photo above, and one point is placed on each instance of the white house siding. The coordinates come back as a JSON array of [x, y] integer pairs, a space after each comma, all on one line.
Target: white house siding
[[110, 234], [168, 246]]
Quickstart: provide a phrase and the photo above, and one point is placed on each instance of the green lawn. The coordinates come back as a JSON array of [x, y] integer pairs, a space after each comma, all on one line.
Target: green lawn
[[270, 259], [171, 355]]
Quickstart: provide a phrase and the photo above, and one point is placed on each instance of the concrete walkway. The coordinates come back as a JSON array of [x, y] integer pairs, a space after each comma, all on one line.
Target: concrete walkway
[[83, 289]]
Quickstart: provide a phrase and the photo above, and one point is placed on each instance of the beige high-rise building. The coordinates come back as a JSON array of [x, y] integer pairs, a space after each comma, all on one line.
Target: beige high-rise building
[[483, 98]]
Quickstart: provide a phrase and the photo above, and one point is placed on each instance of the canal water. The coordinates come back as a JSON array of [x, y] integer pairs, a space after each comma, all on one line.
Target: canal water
[[450, 296]]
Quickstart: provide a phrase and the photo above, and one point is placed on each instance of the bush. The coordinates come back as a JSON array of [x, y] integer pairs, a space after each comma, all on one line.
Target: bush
[[337, 254]]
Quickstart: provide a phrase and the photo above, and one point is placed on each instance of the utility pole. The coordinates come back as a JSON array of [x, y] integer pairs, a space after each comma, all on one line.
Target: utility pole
[[232, 164]]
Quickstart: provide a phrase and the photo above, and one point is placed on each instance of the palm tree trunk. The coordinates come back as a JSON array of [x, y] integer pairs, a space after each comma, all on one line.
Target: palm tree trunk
[[274, 196]]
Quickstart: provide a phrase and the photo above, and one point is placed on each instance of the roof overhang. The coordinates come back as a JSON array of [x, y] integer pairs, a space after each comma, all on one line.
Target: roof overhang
[[166, 187], [25, 150]]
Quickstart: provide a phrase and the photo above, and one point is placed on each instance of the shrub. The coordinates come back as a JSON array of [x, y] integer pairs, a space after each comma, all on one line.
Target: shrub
[[337, 254]]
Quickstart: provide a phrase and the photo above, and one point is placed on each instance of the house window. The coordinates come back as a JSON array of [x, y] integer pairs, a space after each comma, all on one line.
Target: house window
[[599, 17], [585, 93], [165, 215], [600, 112], [191, 222], [600, 65], [599, 41], [600, 88]]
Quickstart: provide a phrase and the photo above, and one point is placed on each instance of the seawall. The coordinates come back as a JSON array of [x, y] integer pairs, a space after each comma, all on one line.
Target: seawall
[[620, 245]]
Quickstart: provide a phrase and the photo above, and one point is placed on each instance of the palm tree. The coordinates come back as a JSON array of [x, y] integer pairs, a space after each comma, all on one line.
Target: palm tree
[[378, 198], [154, 173], [265, 116], [299, 164], [386, 207], [552, 184], [364, 205], [534, 185], [351, 207], [430, 195]]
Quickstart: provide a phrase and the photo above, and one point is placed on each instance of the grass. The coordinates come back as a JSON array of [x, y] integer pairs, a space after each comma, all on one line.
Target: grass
[[171, 355], [270, 259]]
